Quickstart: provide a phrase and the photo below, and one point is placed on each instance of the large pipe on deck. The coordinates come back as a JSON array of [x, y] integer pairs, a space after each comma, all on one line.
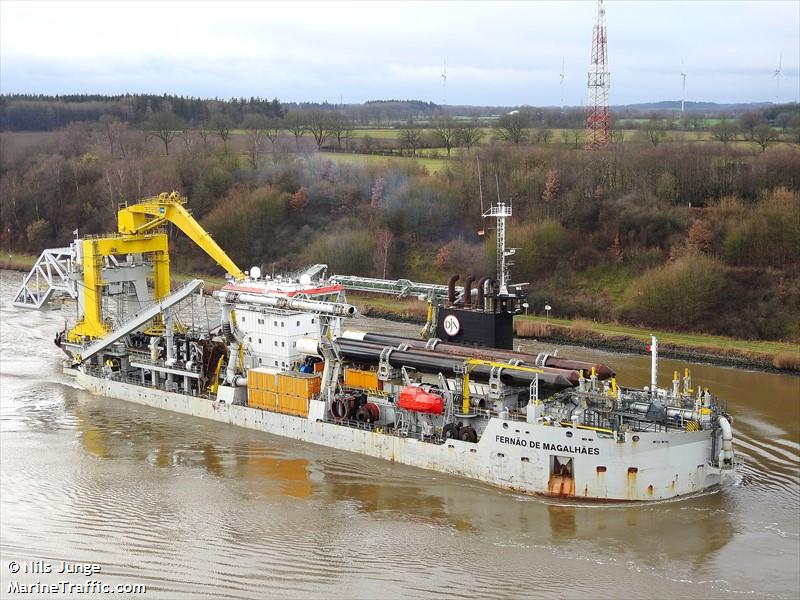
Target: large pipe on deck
[[339, 309], [602, 371], [439, 362]]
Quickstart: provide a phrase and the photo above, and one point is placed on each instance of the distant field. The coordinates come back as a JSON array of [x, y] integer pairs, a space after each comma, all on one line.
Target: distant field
[[434, 165]]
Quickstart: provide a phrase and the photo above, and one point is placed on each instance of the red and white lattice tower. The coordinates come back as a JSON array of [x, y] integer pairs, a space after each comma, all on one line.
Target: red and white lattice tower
[[598, 132]]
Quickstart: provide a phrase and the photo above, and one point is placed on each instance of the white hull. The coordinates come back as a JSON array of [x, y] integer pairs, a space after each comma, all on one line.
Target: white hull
[[511, 454]]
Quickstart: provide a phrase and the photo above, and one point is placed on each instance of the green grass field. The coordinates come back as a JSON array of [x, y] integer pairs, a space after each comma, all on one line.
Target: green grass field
[[434, 165], [689, 340]]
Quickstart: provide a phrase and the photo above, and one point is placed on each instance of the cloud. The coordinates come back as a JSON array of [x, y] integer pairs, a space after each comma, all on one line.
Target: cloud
[[497, 53]]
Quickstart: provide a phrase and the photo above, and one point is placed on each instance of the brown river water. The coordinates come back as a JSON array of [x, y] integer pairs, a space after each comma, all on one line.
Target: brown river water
[[192, 508]]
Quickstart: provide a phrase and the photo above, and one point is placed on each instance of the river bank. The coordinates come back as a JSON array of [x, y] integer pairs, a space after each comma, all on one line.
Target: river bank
[[781, 357], [775, 356]]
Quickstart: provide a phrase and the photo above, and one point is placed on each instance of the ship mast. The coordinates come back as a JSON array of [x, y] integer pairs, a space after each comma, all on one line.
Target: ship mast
[[501, 211]]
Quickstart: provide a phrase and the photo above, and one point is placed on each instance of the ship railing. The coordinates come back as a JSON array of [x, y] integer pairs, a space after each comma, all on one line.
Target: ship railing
[[104, 373]]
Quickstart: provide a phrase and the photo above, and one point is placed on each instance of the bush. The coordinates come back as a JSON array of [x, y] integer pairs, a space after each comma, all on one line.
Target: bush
[[540, 246], [680, 295], [769, 235], [349, 252]]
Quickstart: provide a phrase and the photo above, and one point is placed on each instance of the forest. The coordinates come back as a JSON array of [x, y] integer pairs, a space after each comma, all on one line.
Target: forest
[[699, 235]]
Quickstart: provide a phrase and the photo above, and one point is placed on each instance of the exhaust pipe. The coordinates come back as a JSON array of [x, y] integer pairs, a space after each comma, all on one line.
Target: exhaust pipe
[[468, 290], [451, 288], [481, 301]]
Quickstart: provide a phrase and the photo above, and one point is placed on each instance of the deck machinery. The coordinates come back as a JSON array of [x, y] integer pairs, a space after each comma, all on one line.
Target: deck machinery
[[272, 354]]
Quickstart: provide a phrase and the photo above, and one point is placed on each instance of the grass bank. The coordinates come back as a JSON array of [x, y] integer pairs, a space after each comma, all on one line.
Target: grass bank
[[769, 355]]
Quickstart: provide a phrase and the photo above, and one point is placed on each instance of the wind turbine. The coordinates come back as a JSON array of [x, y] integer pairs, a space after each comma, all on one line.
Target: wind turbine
[[561, 84], [683, 84], [444, 84], [777, 74]]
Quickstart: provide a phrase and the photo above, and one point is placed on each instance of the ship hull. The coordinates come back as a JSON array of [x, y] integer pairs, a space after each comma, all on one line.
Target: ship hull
[[514, 455]]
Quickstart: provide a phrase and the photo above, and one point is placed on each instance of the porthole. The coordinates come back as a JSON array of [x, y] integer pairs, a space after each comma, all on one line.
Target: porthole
[[636, 438], [569, 434], [505, 425]]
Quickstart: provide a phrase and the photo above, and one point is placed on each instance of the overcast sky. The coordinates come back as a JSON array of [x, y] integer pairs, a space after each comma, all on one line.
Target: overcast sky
[[496, 53]]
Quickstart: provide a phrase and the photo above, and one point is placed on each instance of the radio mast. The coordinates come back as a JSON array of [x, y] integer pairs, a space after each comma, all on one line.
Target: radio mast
[[598, 133]]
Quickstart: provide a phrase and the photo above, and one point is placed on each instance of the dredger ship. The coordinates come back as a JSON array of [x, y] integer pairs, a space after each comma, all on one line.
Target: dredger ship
[[276, 354]]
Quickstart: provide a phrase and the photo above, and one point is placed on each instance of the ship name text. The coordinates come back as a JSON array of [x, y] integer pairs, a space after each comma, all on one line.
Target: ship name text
[[540, 445]]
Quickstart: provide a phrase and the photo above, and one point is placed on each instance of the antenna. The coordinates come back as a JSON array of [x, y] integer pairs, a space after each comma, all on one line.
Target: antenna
[[480, 183], [598, 130], [444, 84], [561, 84], [683, 91], [777, 74], [501, 212]]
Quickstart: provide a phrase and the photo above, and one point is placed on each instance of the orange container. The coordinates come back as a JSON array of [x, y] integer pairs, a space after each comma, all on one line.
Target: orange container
[[262, 378], [292, 405], [365, 380], [300, 385]]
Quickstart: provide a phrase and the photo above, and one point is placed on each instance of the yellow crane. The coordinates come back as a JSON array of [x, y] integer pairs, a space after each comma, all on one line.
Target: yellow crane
[[138, 226]]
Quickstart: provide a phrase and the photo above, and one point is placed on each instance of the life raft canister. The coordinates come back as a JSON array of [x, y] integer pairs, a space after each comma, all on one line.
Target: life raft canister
[[418, 400]]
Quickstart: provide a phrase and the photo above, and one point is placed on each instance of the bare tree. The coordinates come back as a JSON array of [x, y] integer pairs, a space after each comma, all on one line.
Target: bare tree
[[724, 131], [411, 137], [297, 124], [204, 130], [165, 126], [221, 124], [272, 132], [445, 132], [748, 123], [319, 124], [340, 128], [256, 127], [543, 135], [469, 134], [513, 126], [654, 131], [763, 135], [109, 128]]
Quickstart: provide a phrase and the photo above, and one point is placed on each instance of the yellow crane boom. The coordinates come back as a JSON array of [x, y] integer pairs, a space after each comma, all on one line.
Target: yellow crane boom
[[136, 225], [153, 212]]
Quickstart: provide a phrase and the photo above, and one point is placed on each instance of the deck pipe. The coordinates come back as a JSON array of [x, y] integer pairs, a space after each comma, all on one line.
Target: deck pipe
[[439, 362], [602, 371]]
